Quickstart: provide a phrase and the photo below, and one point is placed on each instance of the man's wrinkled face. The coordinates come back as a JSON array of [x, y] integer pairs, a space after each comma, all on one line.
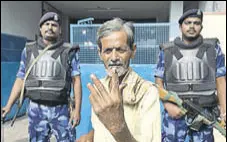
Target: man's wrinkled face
[[50, 30], [191, 28], [116, 53]]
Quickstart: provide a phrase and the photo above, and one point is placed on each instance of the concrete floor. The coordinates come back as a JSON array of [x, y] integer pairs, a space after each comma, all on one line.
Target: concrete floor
[[19, 132]]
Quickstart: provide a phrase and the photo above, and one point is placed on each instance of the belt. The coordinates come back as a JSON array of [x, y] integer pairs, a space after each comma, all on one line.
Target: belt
[[49, 103]]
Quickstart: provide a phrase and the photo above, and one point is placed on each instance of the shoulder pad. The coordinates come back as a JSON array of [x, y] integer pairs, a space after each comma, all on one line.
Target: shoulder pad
[[211, 41], [67, 44], [71, 47], [28, 44], [76, 47], [166, 45]]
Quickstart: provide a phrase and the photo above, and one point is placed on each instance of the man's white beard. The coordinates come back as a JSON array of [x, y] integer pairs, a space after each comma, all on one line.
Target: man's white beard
[[120, 70]]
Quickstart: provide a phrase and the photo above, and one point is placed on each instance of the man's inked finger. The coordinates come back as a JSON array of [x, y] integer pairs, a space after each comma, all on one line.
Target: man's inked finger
[[115, 82]]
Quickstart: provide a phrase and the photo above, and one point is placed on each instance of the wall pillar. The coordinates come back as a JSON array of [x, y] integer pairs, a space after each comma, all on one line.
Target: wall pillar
[[176, 10]]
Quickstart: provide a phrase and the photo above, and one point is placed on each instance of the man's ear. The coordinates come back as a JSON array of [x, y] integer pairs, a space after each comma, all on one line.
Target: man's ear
[[60, 32], [133, 51], [99, 52], [180, 28], [201, 28]]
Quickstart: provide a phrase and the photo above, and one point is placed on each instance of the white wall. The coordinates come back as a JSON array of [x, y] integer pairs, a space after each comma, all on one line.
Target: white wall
[[20, 18], [214, 21], [212, 6], [214, 25]]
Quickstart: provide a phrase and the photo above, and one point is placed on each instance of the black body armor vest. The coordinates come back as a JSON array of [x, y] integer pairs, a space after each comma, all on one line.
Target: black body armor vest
[[191, 71], [50, 77]]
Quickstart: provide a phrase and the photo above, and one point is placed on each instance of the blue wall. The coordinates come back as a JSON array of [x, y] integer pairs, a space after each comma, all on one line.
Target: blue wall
[[8, 76], [11, 48]]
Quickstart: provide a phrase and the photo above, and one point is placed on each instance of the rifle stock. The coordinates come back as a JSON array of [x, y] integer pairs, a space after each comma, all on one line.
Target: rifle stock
[[171, 97], [220, 126]]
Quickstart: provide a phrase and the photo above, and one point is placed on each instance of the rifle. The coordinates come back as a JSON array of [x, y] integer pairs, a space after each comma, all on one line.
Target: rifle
[[19, 105], [199, 114]]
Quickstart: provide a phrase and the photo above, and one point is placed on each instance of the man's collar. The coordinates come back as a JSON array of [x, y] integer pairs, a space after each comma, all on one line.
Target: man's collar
[[55, 45]]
